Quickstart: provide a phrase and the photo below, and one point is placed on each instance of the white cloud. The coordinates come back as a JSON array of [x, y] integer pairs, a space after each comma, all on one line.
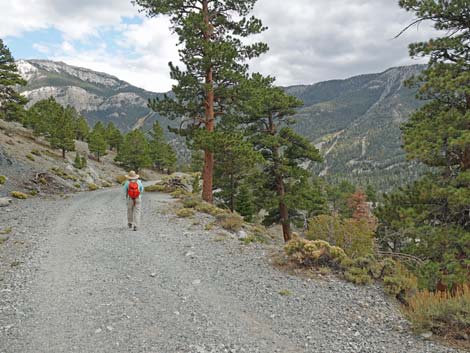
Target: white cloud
[[75, 19], [310, 40]]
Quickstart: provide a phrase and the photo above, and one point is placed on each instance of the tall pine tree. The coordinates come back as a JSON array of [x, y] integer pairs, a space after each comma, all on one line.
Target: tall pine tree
[[97, 140], [11, 102], [210, 33], [162, 154], [430, 218], [267, 114], [134, 152]]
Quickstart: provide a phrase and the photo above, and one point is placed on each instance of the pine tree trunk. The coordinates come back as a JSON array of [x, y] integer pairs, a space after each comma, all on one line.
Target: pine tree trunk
[[208, 172], [283, 210], [63, 153], [232, 193], [284, 213]]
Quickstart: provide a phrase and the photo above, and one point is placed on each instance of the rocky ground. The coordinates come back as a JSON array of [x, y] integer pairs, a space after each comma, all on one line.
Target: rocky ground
[[31, 165], [73, 278]]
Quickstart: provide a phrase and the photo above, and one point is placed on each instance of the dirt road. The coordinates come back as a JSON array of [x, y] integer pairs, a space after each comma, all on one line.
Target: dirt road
[[87, 284]]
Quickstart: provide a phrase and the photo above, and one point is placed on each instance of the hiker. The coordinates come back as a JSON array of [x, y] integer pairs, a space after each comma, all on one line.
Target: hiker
[[134, 190]]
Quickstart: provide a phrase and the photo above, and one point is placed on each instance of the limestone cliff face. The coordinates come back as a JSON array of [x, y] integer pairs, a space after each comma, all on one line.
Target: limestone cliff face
[[98, 96]]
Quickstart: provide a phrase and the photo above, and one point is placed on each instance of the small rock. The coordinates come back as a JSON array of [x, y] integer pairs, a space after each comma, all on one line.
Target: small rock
[[196, 282], [242, 234], [98, 330], [153, 274], [109, 328], [426, 335], [5, 201]]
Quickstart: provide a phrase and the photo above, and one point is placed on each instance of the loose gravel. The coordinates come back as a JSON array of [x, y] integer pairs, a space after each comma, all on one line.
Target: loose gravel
[[75, 279]]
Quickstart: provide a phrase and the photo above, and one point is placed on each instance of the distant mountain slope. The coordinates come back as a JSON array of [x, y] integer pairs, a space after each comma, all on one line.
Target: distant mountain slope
[[98, 96], [355, 122]]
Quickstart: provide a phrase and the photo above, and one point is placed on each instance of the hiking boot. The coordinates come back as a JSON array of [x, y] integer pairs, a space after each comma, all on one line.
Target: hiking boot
[[129, 225], [135, 228]]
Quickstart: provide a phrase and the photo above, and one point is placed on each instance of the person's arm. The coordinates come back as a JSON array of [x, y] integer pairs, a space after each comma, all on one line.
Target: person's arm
[[126, 186], [141, 187]]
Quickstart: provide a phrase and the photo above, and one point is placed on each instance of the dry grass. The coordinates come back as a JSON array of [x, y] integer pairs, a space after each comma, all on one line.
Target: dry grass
[[19, 195], [92, 187], [6, 230], [155, 188], [445, 314], [231, 222], [185, 213], [121, 179]]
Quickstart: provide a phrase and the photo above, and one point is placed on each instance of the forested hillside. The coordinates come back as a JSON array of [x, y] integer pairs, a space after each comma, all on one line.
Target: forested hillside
[[355, 121]]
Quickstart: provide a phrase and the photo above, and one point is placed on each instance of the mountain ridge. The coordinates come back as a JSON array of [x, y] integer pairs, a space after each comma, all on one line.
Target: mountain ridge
[[354, 121]]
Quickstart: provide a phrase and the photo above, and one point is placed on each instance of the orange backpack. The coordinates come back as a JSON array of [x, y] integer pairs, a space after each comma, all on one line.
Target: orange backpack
[[133, 190]]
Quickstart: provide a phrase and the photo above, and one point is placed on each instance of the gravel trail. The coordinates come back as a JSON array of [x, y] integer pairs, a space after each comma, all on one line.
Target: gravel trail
[[75, 279]]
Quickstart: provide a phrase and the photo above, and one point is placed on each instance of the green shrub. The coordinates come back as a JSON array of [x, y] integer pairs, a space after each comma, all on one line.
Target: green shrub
[[442, 313], [196, 185], [191, 202], [398, 281], [285, 293], [357, 275], [185, 212], [42, 181], [36, 153], [3, 179], [155, 188], [314, 253], [77, 185], [92, 187], [354, 236], [209, 226], [79, 161], [30, 157], [396, 278], [252, 238], [106, 184], [231, 222], [19, 195], [180, 193], [33, 192]]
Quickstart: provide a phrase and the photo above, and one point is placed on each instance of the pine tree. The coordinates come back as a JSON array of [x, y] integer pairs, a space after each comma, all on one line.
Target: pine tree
[[82, 129], [134, 152], [267, 114], [97, 140], [235, 160], [211, 33], [56, 123], [114, 137], [11, 102], [62, 130], [429, 219], [40, 117], [245, 203], [79, 161], [162, 154]]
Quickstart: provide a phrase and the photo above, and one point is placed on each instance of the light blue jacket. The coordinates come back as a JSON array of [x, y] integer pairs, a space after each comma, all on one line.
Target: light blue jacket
[[126, 187]]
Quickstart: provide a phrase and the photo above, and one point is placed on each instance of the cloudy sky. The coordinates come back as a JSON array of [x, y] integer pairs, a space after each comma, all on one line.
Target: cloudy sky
[[310, 40]]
